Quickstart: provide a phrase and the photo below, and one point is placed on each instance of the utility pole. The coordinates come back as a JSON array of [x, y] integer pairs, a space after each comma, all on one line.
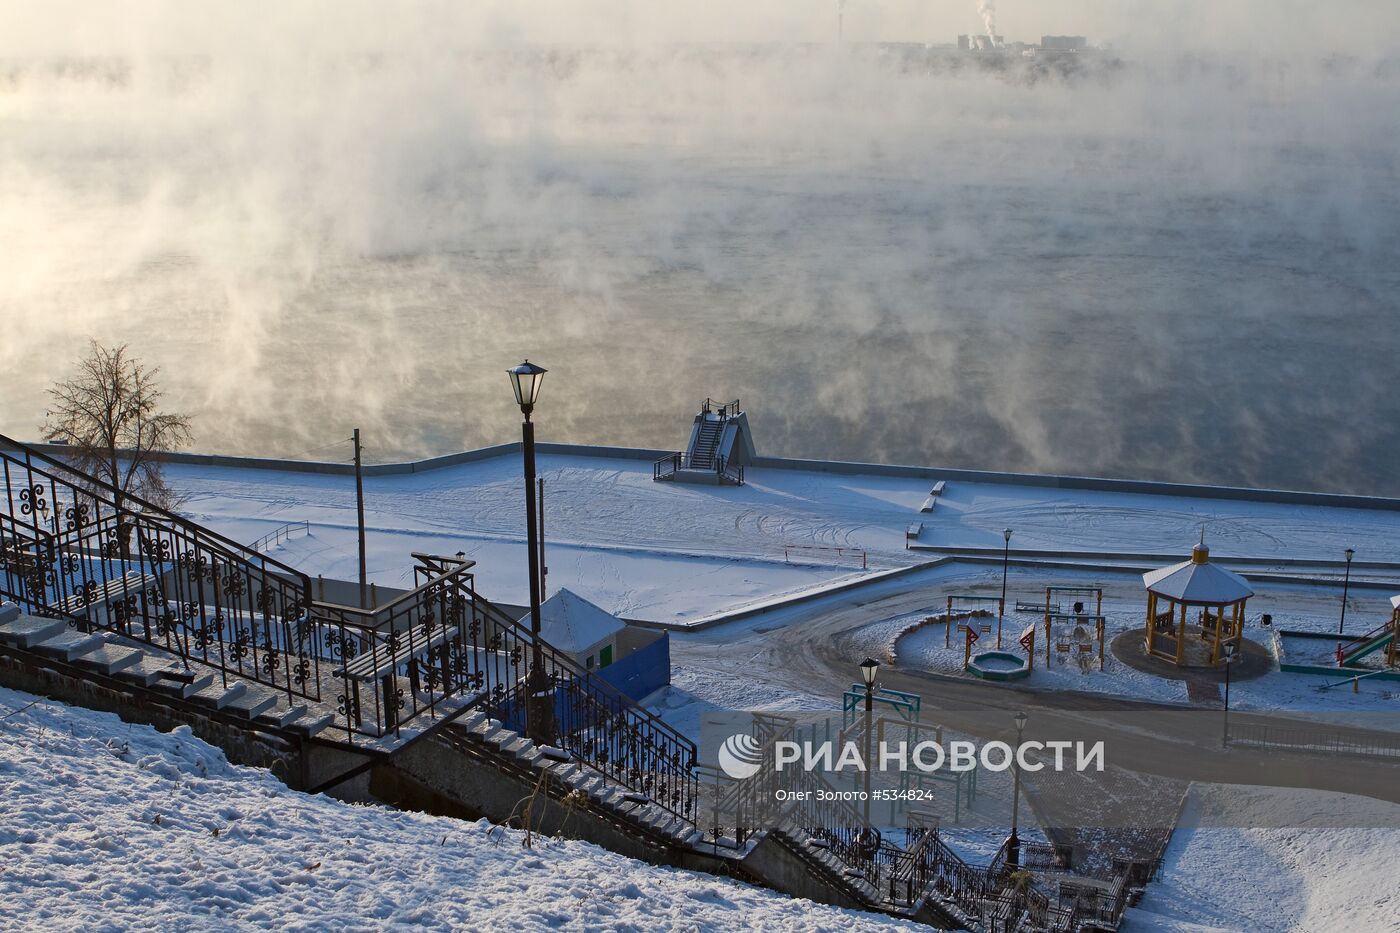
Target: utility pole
[[360, 512]]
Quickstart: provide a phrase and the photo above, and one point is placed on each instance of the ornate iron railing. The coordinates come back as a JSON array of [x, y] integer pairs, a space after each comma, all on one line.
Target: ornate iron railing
[[74, 547], [442, 646]]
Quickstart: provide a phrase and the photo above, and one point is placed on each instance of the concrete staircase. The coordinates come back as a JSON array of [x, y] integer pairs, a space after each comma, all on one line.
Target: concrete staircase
[[490, 738], [109, 655]]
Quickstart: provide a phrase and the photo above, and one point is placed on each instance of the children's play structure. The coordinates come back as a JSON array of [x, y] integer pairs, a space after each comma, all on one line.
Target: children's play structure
[[1203, 606], [1353, 657], [1088, 628], [966, 606]]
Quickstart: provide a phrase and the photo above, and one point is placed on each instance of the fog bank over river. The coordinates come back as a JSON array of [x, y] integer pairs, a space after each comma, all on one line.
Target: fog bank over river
[[1169, 263]]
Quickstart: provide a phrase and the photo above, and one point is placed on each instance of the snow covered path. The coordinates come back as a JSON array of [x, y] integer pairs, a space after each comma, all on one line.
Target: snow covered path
[[1315, 876], [111, 826]]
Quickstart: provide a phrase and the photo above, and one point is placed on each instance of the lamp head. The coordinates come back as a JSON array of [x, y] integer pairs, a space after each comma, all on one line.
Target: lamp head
[[868, 668], [1021, 721], [525, 380]]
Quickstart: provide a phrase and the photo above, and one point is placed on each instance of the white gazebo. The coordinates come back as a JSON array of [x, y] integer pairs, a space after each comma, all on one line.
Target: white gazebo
[[575, 626], [1218, 593]]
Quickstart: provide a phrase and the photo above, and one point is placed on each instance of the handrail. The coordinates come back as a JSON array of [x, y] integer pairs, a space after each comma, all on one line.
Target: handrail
[[281, 533], [81, 550], [9, 445]]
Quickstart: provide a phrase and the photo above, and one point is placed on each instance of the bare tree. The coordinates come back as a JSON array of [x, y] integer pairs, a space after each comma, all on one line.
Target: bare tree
[[110, 415]]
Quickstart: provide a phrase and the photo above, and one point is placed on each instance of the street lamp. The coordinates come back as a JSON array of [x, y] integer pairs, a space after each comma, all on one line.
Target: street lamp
[[870, 840], [1005, 559], [1346, 585], [1013, 844], [1229, 649], [525, 380]]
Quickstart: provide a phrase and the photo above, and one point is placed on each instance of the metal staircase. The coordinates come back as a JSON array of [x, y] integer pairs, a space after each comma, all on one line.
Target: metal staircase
[[706, 447], [703, 460]]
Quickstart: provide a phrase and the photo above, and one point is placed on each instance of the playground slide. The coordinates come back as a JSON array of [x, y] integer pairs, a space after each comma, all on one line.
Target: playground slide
[[1366, 646]]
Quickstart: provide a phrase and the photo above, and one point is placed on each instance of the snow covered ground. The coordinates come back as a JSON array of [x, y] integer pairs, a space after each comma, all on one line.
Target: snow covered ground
[[1313, 875], [974, 514], [645, 550], [112, 826], [668, 552]]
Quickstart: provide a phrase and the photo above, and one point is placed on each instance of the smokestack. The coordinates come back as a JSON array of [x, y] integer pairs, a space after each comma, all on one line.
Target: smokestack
[[988, 10]]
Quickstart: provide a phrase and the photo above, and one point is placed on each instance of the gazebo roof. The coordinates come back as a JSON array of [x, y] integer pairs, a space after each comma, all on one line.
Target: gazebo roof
[[1395, 601], [1198, 581], [571, 623]]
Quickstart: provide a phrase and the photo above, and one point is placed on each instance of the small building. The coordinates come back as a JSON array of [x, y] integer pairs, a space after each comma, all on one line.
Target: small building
[[573, 625], [1204, 606], [634, 660]]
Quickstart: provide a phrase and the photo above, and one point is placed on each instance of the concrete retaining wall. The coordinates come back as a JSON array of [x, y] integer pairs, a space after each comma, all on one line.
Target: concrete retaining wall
[[932, 474]]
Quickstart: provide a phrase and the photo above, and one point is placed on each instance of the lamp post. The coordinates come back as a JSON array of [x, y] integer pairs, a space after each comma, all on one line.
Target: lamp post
[[1346, 585], [1013, 844], [870, 841], [525, 380], [1005, 559], [1229, 649]]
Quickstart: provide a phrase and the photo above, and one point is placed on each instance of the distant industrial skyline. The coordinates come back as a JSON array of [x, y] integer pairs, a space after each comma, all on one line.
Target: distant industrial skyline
[[1283, 26]]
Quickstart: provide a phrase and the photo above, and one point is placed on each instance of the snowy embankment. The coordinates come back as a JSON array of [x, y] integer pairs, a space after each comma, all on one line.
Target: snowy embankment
[[110, 826], [1312, 875]]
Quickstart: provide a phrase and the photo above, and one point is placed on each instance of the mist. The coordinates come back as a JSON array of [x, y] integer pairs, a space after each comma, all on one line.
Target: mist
[[1178, 263]]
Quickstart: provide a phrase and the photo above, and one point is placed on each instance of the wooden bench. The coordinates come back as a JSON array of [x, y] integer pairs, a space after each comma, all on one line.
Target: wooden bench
[[928, 505], [913, 531], [938, 488], [373, 665], [109, 592]]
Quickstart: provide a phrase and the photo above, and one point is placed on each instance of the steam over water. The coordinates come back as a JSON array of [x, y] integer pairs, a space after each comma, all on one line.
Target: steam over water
[[1182, 267]]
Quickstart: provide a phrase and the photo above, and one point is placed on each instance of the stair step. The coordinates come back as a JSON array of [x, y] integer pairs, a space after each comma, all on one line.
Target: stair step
[[145, 672], [108, 659], [26, 631], [218, 696], [310, 725], [67, 645], [281, 717], [252, 703], [187, 684]]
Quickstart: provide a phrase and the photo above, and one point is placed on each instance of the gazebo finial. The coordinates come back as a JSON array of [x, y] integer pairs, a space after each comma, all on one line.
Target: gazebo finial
[[1200, 554]]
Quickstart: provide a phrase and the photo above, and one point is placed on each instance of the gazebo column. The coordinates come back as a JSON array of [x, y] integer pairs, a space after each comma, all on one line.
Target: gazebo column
[[1181, 638], [1151, 619], [1219, 626]]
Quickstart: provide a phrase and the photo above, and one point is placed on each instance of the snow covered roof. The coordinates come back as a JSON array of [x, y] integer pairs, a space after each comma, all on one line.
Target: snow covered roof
[[1198, 581], [1395, 601], [571, 623]]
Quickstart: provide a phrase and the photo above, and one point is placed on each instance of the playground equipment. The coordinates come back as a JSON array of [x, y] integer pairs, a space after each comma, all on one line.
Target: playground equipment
[[977, 602], [1083, 644], [1386, 635], [1078, 617], [999, 666], [1220, 595]]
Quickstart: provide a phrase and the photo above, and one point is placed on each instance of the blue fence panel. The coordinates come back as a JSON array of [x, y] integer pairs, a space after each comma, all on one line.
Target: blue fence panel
[[642, 672]]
